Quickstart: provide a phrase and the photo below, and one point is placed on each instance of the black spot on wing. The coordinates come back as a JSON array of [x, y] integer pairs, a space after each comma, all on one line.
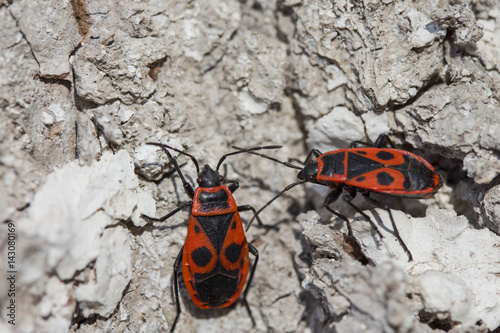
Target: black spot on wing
[[417, 175], [201, 256], [361, 152], [384, 178], [385, 155], [233, 252], [360, 179]]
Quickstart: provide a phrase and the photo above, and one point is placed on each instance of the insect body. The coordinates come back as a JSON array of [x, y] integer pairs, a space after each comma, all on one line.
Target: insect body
[[215, 255], [388, 171], [366, 170]]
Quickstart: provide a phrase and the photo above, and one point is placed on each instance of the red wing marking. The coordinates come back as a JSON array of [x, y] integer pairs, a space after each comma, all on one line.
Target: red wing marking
[[201, 256], [235, 248]]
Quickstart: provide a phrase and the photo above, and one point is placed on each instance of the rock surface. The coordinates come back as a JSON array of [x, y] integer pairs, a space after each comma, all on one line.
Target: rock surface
[[85, 84]]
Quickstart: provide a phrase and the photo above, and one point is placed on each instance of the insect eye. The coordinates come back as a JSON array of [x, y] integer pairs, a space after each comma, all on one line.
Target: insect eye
[[221, 178], [309, 162], [310, 178], [199, 180]]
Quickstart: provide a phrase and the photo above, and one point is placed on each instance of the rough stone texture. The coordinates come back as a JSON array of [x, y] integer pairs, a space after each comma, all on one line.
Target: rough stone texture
[[460, 19], [368, 61], [84, 84], [53, 39], [491, 209], [445, 278], [477, 119], [71, 227], [453, 266]]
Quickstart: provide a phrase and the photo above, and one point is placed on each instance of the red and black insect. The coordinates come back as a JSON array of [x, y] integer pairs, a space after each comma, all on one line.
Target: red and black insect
[[215, 255], [366, 170]]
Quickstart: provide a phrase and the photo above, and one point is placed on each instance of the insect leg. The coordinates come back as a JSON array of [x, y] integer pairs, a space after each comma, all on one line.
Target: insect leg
[[233, 186], [382, 138], [163, 218], [177, 266], [379, 143], [253, 251], [348, 198], [394, 227], [332, 197], [355, 143]]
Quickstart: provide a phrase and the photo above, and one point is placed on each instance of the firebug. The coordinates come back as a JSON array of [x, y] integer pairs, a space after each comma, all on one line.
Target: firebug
[[215, 255], [369, 170]]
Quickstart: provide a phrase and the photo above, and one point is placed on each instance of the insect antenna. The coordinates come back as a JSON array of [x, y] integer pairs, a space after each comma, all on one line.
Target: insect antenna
[[187, 187], [270, 201], [288, 164], [165, 147], [251, 151]]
